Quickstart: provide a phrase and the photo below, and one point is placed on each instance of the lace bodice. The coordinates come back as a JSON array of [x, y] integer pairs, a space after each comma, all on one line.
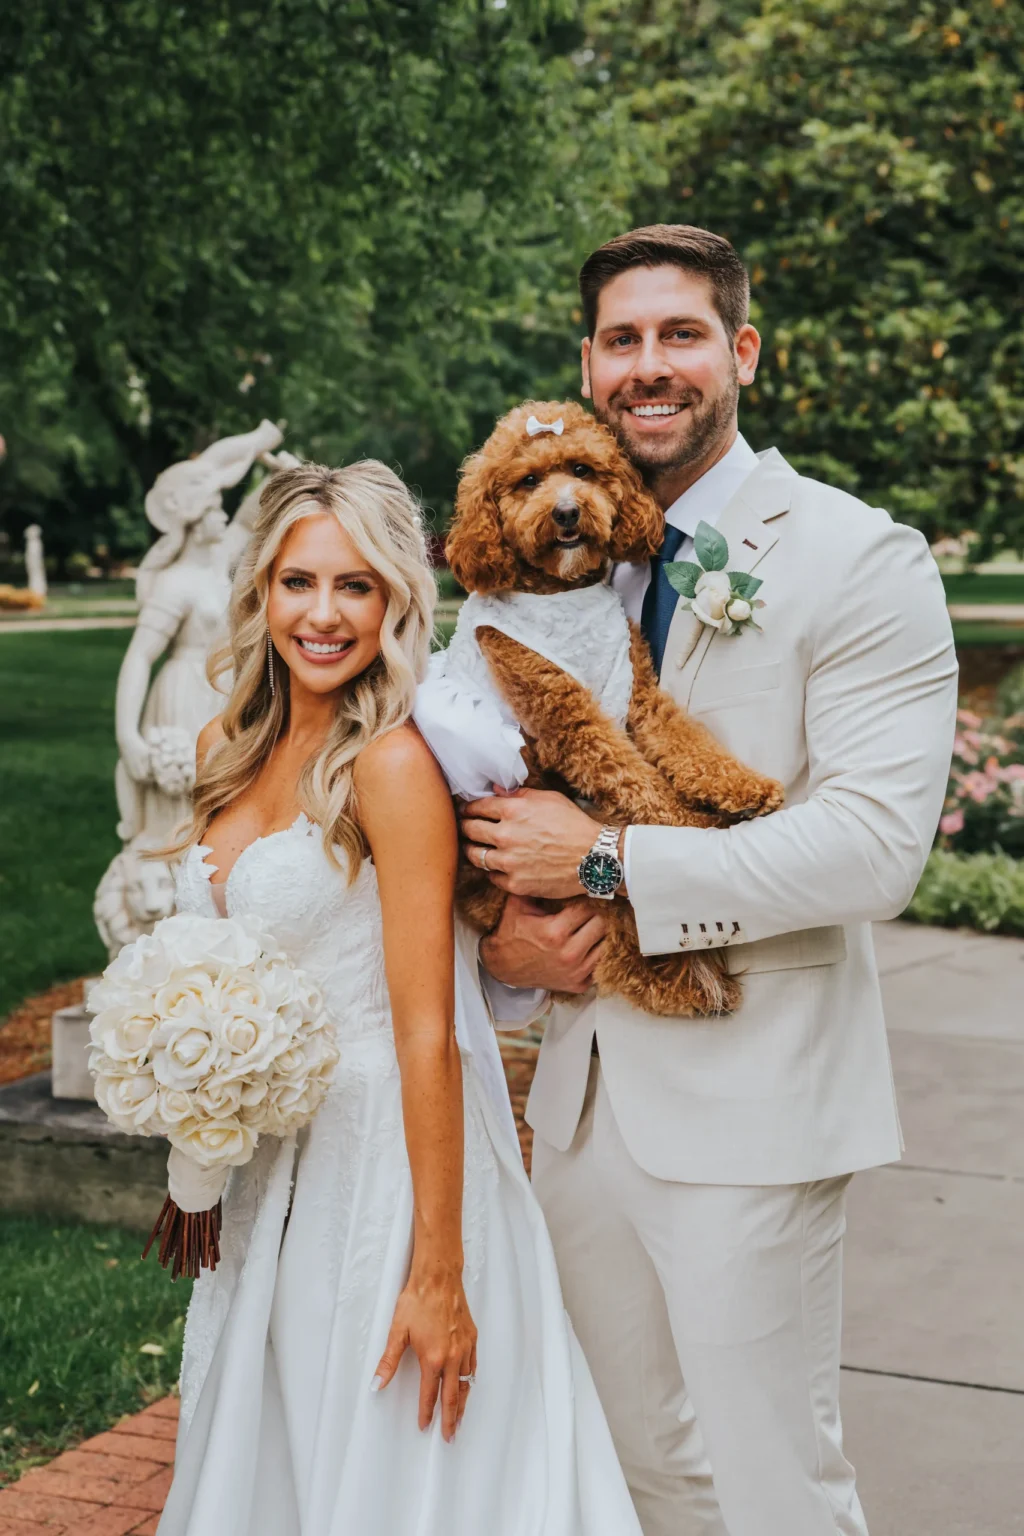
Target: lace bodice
[[328, 927]]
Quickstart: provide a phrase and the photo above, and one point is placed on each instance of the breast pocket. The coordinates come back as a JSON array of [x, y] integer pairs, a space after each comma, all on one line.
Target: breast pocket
[[739, 686]]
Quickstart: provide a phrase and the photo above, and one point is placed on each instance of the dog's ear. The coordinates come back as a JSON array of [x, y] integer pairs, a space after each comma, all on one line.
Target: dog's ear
[[640, 526], [477, 552]]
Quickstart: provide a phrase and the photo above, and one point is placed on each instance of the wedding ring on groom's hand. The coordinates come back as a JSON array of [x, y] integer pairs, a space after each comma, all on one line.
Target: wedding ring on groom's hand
[[483, 865]]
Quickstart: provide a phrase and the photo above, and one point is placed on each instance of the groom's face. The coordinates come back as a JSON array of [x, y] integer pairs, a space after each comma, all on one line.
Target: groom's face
[[662, 371]]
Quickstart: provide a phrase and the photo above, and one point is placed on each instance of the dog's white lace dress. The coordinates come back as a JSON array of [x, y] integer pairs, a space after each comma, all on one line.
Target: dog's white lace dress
[[461, 714]]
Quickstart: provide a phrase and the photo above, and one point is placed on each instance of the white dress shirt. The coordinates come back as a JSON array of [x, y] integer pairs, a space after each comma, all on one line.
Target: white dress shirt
[[704, 501]]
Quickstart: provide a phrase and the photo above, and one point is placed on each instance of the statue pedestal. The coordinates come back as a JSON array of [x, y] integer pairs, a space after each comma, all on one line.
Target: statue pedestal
[[70, 1041]]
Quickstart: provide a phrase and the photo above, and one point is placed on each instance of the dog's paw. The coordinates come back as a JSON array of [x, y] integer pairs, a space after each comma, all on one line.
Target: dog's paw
[[751, 796]]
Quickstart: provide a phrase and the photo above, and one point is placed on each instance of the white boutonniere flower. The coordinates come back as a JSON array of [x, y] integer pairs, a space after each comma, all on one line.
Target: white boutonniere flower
[[723, 599]]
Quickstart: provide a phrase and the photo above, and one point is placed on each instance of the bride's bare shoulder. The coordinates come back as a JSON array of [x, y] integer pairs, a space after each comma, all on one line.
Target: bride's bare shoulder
[[210, 735], [399, 772], [396, 759]]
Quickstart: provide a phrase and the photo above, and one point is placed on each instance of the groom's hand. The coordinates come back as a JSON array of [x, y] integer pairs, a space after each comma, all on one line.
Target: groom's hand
[[532, 947], [530, 843]]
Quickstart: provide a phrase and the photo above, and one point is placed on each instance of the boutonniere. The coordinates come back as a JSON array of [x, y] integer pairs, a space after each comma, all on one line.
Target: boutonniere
[[724, 599]]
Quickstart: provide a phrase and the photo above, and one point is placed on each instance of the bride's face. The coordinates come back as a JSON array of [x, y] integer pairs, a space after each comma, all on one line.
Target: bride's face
[[325, 606]]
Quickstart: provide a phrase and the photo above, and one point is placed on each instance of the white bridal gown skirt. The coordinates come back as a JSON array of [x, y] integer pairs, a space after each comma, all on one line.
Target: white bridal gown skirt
[[281, 1434]]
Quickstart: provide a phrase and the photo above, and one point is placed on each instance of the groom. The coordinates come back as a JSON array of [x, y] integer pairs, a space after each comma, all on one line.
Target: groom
[[694, 1171]]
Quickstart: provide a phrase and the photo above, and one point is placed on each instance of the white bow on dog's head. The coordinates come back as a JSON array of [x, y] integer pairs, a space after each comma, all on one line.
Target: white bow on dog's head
[[533, 426]]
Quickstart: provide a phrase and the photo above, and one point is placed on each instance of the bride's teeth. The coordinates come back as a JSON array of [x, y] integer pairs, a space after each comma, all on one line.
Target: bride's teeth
[[322, 650]]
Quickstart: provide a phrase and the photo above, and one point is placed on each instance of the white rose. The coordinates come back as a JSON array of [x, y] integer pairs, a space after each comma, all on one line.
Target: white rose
[[186, 992], [218, 1097], [223, 1143], [739, 610], [174, 1106], [711, 596], [128, 1102], [184, 1052], [122, 1035], [250, 1043]]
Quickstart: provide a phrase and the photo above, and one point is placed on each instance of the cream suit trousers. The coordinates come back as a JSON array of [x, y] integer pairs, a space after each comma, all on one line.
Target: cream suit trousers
[[710, 1316]]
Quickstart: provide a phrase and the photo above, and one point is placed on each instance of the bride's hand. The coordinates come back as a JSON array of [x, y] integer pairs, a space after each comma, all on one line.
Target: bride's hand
[[432, 1318]]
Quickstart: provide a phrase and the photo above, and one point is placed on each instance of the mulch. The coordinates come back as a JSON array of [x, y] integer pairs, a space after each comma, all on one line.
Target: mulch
[[25, 1033]]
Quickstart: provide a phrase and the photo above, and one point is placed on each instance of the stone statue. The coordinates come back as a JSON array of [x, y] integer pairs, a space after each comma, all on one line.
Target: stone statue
[[183, 587], [35, 565]]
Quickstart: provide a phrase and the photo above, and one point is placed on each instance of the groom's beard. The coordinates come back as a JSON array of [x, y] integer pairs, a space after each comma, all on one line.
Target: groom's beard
[[703, 426]]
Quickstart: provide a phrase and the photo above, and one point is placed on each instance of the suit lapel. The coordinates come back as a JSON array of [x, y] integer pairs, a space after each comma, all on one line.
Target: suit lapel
[[765, 495]]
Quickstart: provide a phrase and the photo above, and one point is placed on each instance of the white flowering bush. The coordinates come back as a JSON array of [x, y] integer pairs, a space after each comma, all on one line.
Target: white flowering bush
[[205, 1034]]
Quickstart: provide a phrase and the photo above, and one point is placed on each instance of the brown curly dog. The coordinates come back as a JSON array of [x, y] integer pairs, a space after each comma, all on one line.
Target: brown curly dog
[[548, 513]]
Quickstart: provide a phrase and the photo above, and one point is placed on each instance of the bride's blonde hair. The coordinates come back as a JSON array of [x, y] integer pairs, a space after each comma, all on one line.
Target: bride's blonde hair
[[381, 517]]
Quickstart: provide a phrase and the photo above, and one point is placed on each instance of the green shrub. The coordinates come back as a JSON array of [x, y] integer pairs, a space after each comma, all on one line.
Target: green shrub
[[977, 890], [1010, 699]]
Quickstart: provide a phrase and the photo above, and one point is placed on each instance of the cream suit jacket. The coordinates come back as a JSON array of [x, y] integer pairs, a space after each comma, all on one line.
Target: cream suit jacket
[[849, 698]]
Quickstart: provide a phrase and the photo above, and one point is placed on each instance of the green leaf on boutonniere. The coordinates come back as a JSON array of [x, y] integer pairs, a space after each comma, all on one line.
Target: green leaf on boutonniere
[[743, 584], [711, 548], [683, 576]]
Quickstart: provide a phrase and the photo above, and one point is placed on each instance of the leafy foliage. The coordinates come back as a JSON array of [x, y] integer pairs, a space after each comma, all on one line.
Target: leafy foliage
[[867, 158], [975, 890], [361, 216]]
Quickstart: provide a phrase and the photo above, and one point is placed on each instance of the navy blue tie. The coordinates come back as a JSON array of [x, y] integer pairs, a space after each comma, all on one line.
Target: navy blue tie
[[660, 598]]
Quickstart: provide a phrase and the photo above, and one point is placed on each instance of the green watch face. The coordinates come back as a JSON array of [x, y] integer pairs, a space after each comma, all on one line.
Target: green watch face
[[601, 874]]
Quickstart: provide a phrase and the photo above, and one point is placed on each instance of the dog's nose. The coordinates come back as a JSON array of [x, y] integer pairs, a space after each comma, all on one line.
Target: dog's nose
[[566, 517]]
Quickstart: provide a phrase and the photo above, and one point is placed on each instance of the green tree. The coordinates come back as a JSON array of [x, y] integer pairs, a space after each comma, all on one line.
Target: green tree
[[867, 158], [361, 216]]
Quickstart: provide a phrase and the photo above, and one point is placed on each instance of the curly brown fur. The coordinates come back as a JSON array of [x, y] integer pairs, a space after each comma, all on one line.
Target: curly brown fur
[[547, 514], [700, 770], [506, 537], [569, 731]]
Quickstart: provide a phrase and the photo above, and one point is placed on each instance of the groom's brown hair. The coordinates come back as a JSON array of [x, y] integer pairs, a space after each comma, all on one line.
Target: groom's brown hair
[[675, 245]]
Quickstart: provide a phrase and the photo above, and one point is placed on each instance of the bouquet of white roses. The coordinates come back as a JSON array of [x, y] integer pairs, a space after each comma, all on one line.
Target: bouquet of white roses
[[204, 1033]]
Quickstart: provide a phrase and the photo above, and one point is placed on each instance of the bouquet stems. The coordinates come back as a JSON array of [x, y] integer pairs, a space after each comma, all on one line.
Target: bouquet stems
[[189, 1240]]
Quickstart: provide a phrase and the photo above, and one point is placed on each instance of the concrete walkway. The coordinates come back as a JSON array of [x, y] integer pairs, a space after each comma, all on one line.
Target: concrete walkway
[[933, 1380]]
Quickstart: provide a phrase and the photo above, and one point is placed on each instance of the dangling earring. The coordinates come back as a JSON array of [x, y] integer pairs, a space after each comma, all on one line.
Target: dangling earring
[[270, 662]]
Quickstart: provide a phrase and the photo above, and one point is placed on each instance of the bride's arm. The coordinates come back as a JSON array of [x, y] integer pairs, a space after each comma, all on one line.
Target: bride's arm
[[406, 813]]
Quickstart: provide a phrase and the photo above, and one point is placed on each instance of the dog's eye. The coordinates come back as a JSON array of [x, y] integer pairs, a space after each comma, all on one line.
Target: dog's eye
[[528, 482], [582, 471]]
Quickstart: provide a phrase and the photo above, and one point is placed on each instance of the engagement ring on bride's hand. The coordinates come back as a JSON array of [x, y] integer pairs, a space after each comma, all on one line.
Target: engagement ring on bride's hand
[[469, 1380]]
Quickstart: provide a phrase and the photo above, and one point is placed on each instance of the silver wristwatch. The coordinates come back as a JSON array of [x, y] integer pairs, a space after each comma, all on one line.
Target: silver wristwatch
[[600, 871]]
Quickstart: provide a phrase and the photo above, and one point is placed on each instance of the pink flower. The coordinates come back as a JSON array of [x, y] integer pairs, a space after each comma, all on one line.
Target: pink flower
[[965, 717], [978, 786], [952, 823]]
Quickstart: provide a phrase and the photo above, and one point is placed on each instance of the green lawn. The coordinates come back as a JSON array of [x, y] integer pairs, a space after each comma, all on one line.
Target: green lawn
[[57, 808], [77, 1307], [972, 588]]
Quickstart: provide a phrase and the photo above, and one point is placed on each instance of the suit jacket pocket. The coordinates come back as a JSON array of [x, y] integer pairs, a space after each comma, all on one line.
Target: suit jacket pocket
[[788, 951], [735, 687]]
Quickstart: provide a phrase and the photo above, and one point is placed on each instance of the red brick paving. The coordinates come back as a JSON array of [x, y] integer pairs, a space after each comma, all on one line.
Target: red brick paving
[[115, 1484], [111, 1485]]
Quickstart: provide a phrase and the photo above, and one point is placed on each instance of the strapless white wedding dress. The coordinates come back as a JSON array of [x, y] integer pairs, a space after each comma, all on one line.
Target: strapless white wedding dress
[[280, 1433]]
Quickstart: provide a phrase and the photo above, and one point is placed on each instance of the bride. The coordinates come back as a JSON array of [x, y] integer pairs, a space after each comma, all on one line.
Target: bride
[[383, 1347]]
